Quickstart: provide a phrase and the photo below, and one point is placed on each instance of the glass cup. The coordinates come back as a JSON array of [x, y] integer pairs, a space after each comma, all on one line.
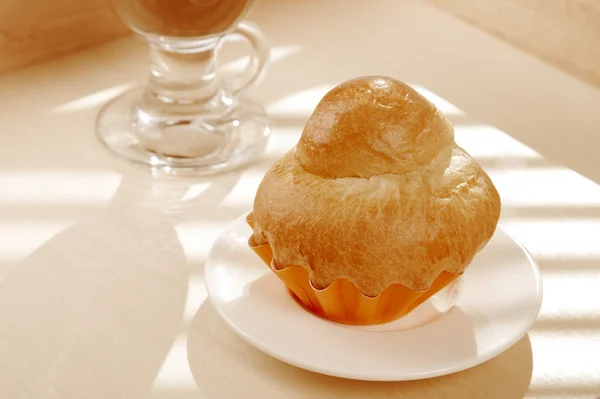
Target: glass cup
[[187, 118]]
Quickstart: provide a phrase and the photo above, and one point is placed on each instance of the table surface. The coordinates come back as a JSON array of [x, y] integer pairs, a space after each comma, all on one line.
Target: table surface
[[101, 265]]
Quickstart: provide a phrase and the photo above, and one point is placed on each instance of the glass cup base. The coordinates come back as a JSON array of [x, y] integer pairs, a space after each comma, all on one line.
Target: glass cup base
[[198, 144]]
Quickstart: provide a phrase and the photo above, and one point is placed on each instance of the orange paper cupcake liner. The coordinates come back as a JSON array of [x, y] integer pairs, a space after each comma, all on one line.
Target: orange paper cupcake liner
[[342, 301]]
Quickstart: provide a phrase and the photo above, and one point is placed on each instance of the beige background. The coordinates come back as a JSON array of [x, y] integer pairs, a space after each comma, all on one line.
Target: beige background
[[565, 33], [35, 30], [101, 288]]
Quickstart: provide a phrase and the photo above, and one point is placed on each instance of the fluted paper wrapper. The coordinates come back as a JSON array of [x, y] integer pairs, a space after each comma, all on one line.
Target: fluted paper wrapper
[[342, 301]]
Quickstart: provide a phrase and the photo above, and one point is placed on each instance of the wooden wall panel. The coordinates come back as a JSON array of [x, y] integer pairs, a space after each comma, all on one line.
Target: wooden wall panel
[[34, 30], [565, 33]]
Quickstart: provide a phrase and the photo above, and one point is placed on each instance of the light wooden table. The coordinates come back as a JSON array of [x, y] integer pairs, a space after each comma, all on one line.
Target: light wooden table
[[101, 288]]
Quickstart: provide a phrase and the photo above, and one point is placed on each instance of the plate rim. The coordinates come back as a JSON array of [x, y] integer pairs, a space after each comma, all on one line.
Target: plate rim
[[381, 377]]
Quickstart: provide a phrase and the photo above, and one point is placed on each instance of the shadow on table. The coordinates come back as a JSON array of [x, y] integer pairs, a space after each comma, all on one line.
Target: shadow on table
[[94, 311], [221, 362]]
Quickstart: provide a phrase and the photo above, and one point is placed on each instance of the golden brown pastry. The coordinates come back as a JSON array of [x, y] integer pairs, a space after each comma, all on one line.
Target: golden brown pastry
[[377, 192]]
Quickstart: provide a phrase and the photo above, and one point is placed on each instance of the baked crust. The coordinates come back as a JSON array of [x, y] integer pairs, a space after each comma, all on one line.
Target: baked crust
[[376, 191]]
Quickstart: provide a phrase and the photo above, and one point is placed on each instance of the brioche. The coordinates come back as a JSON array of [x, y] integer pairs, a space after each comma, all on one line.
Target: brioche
[[376, 191]]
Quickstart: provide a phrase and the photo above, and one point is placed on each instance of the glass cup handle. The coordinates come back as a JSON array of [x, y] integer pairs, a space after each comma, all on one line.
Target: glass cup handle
[[259, 58]]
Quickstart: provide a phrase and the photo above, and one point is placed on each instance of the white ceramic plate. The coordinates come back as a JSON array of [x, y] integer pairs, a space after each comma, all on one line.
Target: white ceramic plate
[[499, 299]]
